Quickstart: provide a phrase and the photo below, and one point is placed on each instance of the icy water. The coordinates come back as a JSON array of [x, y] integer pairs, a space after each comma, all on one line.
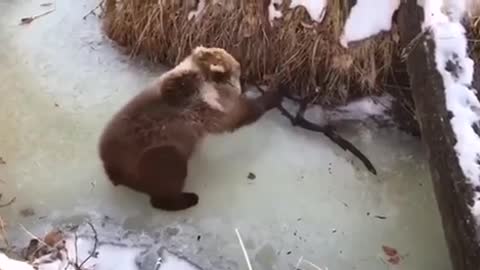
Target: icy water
[[62, 80]]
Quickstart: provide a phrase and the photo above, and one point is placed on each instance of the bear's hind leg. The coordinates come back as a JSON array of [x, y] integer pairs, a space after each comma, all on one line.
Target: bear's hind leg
[[183, 201], [163, 170], [113, 175]]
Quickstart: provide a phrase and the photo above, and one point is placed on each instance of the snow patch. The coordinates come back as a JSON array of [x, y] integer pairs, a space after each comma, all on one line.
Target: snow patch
[[173, 262], [11, 264], [368, 18], [273, 13], [456, 69], [362, 109], [316, 114], [358, 110], [197, 12], [315, 8], [110, 253]]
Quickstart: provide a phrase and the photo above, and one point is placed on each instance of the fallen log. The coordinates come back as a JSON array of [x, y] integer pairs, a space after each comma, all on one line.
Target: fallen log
[[456, 187]]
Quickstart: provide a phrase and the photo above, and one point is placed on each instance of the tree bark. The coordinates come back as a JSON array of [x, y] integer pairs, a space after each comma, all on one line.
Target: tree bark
[[453, 192]]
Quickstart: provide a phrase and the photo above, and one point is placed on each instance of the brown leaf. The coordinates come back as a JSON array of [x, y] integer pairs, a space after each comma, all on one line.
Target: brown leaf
[[394, 260], [389, 251], [53, 237]]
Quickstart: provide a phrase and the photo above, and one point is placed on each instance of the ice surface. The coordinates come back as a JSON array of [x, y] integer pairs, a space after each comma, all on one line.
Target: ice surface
[[63, 81], [368, 18]]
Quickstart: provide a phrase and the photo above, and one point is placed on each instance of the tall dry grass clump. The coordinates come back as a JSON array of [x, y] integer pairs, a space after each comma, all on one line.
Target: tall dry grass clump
[[303, 54]]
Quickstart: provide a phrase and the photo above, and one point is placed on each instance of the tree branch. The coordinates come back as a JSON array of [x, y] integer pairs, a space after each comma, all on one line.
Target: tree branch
[[327, 130]]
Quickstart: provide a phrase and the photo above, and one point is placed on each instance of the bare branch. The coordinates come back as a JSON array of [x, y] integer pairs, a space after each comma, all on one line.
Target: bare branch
[[95, 245], [327, 130]]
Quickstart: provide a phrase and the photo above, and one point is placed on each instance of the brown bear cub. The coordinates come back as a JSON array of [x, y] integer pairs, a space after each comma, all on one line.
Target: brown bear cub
[[147, 144]]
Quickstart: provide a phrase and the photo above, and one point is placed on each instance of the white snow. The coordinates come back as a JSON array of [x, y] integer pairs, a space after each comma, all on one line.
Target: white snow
[[368, 18], [273, 13], [315, 8], [362, 109], [119, 256], [197, 12], [443, 20], [11, 264], [173, 262]]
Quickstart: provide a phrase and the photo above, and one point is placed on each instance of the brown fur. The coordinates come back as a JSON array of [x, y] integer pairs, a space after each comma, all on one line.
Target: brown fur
[[147, 145]]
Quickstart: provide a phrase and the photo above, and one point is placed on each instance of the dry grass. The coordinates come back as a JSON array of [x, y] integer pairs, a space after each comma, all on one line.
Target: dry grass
[[3, 234], [474, 37], [303, 54]]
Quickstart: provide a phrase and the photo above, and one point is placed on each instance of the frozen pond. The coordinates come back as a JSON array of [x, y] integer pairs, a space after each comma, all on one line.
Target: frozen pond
[[62, 80]]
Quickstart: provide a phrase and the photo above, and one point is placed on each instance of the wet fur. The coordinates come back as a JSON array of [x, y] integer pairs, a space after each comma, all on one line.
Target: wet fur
[[147, 145]]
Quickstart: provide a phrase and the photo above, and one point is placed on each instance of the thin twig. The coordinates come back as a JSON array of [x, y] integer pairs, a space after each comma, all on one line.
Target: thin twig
[[3, 233], [327, 130], [92, 11], [312, 264], [298, 263], [243, 250], [28, 20], [8, 203], [95, 244], [405, 52], [76, 247], [68, 263], [32, 235]]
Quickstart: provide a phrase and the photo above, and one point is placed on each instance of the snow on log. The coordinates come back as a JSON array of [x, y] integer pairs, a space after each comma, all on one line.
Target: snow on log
[[448, 110]]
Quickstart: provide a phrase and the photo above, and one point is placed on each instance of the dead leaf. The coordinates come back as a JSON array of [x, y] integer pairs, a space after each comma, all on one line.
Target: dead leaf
[[53, 237], [392, 253], [389, 251], [394, 260]]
